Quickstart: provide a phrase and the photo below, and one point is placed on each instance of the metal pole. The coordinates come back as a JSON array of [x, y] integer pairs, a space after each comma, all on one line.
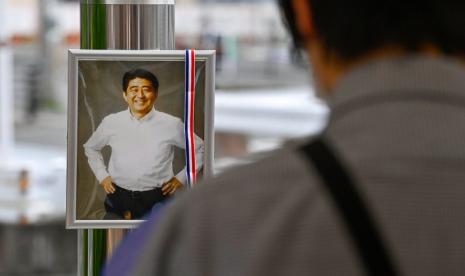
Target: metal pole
[[127, 25]]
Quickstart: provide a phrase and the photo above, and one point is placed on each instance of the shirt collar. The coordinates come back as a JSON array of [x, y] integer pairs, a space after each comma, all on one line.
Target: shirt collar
[[414, 74], [147, 116]]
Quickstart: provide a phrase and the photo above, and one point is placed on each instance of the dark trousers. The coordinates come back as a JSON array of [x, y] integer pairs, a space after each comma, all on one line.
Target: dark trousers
[[126, 204]]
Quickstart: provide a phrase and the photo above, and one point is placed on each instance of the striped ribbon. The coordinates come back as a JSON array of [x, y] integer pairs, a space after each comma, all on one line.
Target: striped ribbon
[[189, 117]]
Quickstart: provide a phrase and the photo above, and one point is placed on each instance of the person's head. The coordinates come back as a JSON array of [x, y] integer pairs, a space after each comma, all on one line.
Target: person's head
[[345, 32], [140, 91]]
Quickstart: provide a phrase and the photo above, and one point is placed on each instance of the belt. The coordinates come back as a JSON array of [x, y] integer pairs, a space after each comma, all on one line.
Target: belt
[[133, 193]]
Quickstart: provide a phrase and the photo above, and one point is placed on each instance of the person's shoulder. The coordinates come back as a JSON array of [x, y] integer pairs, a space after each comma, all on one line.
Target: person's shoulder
[[167, 117], [284, 173], [237, 206], [115, 117]]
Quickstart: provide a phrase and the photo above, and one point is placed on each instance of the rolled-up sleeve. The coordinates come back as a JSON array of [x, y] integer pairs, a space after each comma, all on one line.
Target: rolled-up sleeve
[[92, 149]]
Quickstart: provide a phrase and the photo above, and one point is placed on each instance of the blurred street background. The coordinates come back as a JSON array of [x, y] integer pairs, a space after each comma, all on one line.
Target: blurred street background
[[263, 98]]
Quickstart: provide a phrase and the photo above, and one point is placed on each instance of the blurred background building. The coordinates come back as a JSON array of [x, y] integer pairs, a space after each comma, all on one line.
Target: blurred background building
[[263, 98]]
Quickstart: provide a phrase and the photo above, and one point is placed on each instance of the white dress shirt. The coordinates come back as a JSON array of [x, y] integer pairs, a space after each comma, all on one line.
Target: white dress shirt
[[141, 149]]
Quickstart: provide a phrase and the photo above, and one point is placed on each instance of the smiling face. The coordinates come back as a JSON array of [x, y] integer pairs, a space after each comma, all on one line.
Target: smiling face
[[140, 96]]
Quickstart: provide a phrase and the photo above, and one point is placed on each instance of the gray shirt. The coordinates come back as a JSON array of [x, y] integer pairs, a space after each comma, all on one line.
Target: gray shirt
[[399, 126]]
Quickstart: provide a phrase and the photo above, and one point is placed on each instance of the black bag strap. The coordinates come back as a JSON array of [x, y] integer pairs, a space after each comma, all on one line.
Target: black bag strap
[[353, 209]]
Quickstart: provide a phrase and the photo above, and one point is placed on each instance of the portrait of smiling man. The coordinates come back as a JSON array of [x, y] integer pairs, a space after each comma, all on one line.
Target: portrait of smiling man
[[142, 141]]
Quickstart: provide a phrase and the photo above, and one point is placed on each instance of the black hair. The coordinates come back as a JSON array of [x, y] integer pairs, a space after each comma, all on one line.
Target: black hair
[[139, 73], [351, 28]]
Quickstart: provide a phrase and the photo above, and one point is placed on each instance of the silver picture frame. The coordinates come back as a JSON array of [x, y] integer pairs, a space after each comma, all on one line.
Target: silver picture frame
[[85, 108]]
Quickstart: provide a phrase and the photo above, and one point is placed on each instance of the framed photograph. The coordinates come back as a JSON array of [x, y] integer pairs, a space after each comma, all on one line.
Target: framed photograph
[[140, 130]]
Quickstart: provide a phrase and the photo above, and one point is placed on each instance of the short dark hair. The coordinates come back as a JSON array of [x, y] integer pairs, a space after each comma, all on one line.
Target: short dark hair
[[139, 73], [352, 28]]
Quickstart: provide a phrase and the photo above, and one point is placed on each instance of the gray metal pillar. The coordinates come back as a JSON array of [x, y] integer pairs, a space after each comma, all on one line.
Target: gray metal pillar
[[127, 24], [123, 25]]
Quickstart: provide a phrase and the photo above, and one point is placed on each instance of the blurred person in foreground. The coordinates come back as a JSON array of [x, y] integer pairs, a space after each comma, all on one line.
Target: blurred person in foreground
[[393, 74], [142, 140]]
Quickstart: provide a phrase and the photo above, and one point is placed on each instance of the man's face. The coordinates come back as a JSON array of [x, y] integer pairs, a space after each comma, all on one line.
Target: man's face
[[140, 96]]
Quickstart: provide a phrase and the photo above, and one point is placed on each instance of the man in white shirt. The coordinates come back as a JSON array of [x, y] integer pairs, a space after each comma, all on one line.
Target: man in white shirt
[[142, 140]]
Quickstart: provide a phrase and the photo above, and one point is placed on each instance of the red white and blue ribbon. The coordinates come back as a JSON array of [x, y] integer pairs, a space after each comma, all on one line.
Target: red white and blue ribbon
[[189, 117]]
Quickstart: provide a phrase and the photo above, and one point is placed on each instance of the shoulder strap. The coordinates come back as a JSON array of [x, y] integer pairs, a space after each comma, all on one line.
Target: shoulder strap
[[352, 208]]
